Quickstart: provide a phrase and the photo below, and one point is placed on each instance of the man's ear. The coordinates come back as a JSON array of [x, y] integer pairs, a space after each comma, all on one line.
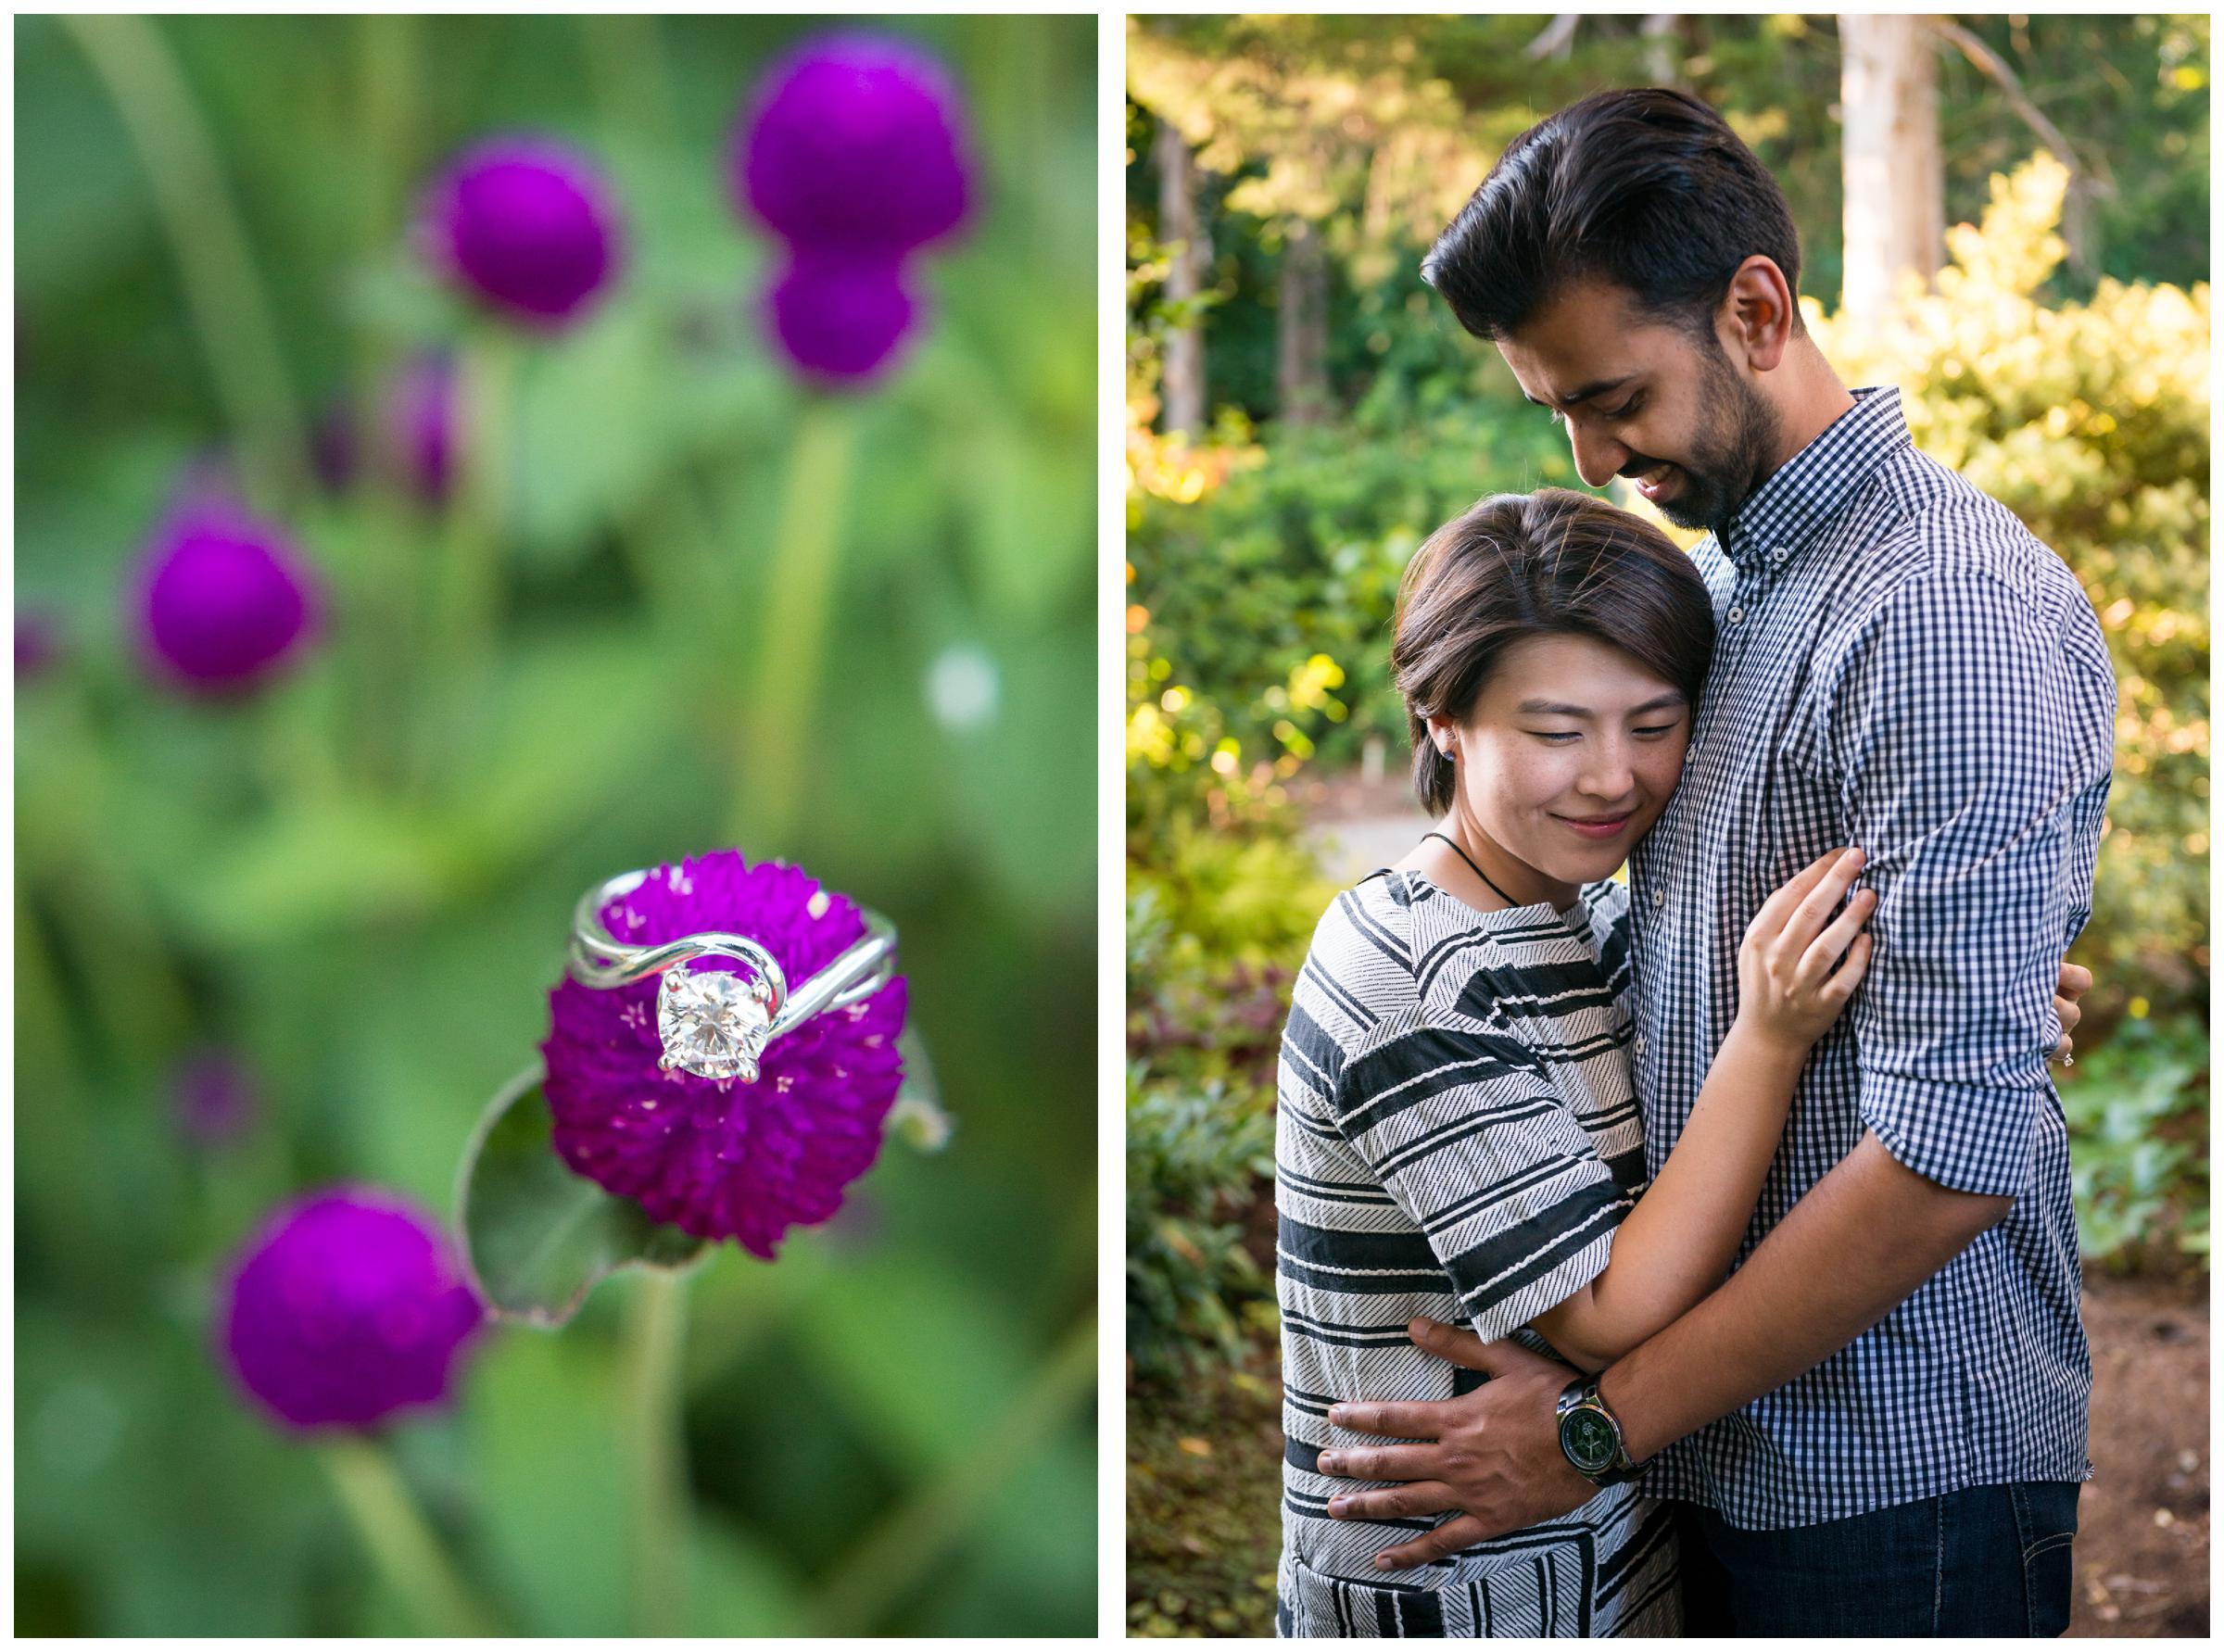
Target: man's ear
[[1758, 311]]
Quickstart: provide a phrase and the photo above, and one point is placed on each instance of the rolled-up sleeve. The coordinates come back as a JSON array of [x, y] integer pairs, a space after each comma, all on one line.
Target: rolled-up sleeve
[[1474, 1146], [1969, 738]]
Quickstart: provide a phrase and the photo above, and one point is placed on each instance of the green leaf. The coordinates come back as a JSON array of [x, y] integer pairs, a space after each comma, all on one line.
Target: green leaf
[[591, 434], [574, 721], [322, 864], [537, 1237]]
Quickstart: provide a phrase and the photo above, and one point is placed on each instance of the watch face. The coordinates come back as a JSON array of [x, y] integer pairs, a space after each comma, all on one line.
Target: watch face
[[1588, 1440]]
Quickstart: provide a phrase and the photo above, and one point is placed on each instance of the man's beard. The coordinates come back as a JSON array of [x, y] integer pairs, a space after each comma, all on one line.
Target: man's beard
[[1729, 457]]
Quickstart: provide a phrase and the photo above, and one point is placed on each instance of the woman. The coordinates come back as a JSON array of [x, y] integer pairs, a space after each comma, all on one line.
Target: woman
[[1457, 1136]]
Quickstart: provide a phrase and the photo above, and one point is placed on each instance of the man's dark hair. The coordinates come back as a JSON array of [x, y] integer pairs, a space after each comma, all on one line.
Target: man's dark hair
[[1517, 565], [1648, 189]]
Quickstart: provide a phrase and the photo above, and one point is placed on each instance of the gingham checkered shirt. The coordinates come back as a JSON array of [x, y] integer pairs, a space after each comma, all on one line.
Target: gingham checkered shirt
[[1901, 667]]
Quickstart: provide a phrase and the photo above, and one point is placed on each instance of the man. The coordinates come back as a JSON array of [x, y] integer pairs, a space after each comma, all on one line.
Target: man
[[1877, 1425]]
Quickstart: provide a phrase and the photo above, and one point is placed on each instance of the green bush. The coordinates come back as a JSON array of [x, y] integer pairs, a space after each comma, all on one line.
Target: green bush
[[2138, 1114], [1196, 1161], [1295, 562], [1218, 922]]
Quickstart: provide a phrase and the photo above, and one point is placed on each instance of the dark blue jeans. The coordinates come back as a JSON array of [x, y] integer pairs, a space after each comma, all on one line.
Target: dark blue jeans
[[1994, 1559]]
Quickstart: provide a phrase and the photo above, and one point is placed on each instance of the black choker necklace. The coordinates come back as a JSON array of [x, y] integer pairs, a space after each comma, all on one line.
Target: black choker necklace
[[1470, 859]]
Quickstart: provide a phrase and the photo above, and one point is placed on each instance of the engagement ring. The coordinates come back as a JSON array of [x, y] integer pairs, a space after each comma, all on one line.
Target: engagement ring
[[715, 1023]]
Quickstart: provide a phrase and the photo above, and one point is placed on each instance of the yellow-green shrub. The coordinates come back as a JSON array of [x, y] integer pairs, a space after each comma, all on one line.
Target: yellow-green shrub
[[2090, 423]]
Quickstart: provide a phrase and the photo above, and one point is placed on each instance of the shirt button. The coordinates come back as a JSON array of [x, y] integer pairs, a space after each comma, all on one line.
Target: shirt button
[[1736, 616], [1638, 1044], [1660, 897], [1776, 555]]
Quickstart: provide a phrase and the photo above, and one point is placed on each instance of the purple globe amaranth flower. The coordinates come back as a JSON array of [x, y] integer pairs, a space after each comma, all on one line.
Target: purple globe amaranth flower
[[214, 1098], [421, 424], [528, 225], [335, 452], [855, 141], [418, 415], [724, 1158], [38, 645], [839, 317], [347, 1307], [222, 600]]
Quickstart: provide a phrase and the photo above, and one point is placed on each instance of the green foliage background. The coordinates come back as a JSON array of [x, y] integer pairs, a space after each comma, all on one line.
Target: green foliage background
[[361, 880]]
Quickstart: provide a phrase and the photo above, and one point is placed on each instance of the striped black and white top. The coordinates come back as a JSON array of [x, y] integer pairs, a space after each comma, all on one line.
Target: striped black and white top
[[1456, 1138]]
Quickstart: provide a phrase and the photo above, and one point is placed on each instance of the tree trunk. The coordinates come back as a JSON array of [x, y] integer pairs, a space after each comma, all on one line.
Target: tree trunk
[[1181, 384], [1895, 173], [1301, 328], [1662, 62]]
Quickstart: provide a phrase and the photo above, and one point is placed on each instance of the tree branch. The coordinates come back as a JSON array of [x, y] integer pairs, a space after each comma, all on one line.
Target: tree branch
[[1995, 69]]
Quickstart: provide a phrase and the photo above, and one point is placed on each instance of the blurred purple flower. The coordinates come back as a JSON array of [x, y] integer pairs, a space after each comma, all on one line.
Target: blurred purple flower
[[221, 598], [720, 1158], [854, 152], [38, 645], [213, 1098], [527, 224], [347, 1307], [333, 449], [417, 413], [421, 424], [839, 317], [855, 141]]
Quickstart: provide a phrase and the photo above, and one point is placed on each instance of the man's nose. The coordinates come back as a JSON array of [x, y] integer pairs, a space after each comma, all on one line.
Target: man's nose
[[1598, 458]]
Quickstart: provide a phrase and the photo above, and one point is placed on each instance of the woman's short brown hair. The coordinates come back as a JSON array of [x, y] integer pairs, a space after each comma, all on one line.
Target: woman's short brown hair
[[1550, 562]]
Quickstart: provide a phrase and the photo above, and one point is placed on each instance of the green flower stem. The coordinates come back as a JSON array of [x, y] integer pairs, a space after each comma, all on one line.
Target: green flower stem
[[399, 1541], [781, 690], [651, 1426], [391, 111], [223, 291], [58, 1192], [395, 557], [874, 1578], [470, 586]]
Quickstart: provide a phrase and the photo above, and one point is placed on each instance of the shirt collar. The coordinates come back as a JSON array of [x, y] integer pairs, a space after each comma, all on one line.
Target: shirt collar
[[1811, 488]]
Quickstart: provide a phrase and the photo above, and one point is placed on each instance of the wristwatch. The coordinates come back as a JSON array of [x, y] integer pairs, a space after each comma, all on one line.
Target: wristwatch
[[1590, 1437]]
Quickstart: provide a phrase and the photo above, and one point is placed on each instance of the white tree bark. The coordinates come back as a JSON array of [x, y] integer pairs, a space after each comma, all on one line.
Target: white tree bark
[[1181, 381], [1301, 328], [1895, 172]]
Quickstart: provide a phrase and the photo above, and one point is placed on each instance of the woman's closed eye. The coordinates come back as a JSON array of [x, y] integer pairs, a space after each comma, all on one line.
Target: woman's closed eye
[[1561, 736]]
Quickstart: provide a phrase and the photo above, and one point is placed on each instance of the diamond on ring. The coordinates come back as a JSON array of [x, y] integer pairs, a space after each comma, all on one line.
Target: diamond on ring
[[714, 1024]]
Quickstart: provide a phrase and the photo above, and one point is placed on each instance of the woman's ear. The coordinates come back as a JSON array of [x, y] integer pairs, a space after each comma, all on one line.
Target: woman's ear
[[1443, 734]]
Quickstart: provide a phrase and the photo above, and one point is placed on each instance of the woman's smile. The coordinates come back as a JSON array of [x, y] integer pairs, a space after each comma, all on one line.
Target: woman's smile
[[1598, 828]]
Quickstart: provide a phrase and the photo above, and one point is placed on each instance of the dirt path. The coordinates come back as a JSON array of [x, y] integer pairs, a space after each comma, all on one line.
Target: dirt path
[[1353, 826], [2143, 1521], [1204, 1482]]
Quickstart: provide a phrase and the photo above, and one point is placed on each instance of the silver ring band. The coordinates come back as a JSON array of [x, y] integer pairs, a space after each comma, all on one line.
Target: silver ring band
[[746, 1015]]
